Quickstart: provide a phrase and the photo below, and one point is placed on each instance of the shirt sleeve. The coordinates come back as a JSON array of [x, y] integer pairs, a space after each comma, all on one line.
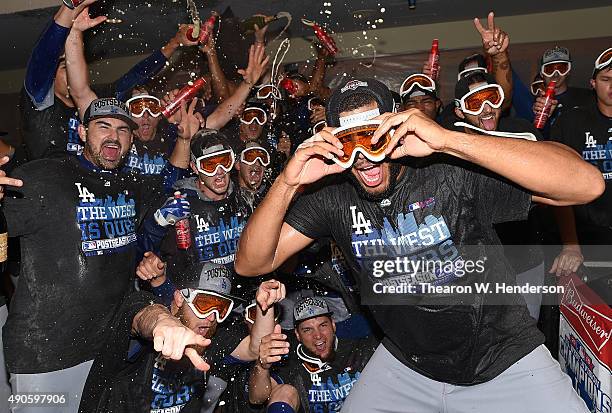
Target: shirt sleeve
[[308, 215], [40, 72], [139, 74]]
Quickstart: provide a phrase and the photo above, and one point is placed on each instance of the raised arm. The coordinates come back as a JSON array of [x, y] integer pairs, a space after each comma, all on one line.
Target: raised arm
[[495, 43], [222, 88], [76, 66], [226, 110], [532, 165], [43, 63], [272, 347], [267, 241], [268, 293], [318, 75]]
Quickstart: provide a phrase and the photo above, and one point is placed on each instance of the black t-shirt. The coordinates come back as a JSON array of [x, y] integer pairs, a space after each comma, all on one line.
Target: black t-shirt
[[324, 390], [520, 238], [215, 230], [78, 242], [149, 383], [435, 212], [150, 158], [589, 133], [52, 131]]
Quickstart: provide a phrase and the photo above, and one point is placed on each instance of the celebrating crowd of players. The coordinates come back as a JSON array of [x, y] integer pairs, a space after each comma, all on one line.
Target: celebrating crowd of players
[[121, 309]]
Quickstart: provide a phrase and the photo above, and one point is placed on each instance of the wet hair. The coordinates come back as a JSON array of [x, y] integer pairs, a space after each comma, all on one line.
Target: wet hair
[[355, 101], [476, 77], [207, 138], [606, 67]]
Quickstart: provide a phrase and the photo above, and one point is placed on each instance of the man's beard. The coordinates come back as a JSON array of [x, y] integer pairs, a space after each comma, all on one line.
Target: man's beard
[[394, 171], [99, 161]]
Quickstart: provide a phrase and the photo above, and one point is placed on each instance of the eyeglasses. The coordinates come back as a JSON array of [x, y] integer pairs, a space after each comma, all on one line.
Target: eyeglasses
[[562, 68], [208, 164], [419, 80], [314, 101], [250, 313], [358, 138], [266, 91], [138, 105], [473, 102], [203, 303], [318, 127], [250, 155], [254, 114], [465, 72], [604, 59], [537, 87]]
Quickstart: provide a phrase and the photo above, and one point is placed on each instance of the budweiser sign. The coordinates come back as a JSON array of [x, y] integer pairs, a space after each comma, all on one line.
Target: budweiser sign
[[597, 326]]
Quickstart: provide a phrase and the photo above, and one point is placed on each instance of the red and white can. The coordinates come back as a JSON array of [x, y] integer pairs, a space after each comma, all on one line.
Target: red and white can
[[72, 4]]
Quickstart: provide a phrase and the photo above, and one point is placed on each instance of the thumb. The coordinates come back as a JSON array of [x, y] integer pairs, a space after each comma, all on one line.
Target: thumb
[[277, 329], [554, 266], [98, 20], [147, 254]]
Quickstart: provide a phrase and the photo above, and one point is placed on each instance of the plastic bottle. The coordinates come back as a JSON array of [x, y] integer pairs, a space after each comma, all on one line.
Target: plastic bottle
[[542, 117], [326, 40], [72, 4], [183, 231], [434, 59], [289, 86], [248, 25], [205, 31], [185, 94]]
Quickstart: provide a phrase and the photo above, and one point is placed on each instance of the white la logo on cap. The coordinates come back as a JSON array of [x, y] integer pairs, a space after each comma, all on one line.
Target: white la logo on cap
[[352, 85]]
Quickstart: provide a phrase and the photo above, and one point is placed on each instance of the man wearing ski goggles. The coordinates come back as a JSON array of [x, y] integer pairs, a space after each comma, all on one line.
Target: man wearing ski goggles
[[145, 109], [556, 65], [419, 91], [252, 123], [212, 159], [478, 99], [254, 159]]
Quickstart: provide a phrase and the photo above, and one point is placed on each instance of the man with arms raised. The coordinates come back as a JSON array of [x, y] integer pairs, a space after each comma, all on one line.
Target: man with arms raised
[[431, 355]]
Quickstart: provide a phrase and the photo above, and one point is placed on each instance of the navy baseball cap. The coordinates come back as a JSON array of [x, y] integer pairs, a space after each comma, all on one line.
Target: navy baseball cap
[[372, 87]]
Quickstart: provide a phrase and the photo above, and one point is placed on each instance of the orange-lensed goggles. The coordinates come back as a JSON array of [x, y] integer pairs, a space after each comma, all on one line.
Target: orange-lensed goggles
[[250, 155], [318, 127], [357, 139], [208, 164], [470, 70], [537, 87], [562, 68], [250, 313], [203, 303], [473, 102], [269, 91], [138, 105], [604, 59], [254, 114], [417, 80]]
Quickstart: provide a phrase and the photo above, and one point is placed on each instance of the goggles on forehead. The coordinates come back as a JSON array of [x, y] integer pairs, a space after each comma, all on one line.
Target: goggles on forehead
[[357, 139], [250, 155], [314, 101], [208, 164], [138, 105], [254, 114], [604, 59], [561, 67], [473, 102], [466, 72], [537, 87], [419, 80], [203, 303], [318, 127], [266, 91], [250, 313]]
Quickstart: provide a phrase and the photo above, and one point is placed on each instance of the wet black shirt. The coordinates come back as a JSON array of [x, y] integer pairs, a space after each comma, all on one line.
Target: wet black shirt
[[435, 212], [589, 133], [78, 243]]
